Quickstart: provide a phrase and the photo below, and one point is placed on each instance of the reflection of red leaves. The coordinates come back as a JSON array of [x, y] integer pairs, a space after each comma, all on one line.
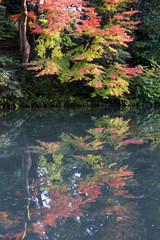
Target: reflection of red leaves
[[40, 230], [4, 218], [16, 236], [18, 193], [132, 196], [126, 222], [121, 193], [63, 205], [117, 183], [118, 180], [91, 190], [94, 145], [82, 157], [48, 147]]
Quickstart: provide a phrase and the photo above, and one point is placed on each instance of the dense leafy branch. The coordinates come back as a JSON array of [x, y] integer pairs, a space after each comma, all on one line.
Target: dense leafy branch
[[75, 43]]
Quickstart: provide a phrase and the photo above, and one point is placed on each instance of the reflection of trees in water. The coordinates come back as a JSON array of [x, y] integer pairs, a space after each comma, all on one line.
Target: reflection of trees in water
[[146, 124], [74, 176], [9, 133], [145, 162], [83, 185], [10, 175]]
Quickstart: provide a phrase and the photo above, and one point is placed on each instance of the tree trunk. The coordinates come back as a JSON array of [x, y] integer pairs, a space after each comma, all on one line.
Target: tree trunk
[[26, 165], [24, 45]]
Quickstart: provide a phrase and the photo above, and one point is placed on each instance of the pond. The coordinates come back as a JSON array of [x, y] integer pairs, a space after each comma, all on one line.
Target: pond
[[81, 174]]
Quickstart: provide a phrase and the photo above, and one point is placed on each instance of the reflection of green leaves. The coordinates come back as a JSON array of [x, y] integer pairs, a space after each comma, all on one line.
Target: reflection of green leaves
[[91, 160], [45, 147], [74, 152], [111, 130], [8, 182], [51, 170], [8, 137], [107, 121], [75, 172], [148, 128], [112, 164]]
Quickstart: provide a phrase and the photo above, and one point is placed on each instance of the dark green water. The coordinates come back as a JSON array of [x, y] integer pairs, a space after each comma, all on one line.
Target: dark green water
[[81, 174]]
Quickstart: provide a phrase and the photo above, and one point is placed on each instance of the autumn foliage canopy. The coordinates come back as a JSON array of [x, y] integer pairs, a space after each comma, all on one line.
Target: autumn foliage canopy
[[75, 43]]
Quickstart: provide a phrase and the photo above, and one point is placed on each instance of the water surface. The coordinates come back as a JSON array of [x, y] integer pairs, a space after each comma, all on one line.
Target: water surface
[[80, 174]]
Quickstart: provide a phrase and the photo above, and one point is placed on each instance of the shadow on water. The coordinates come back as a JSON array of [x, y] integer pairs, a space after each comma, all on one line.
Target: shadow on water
[[80, 174]]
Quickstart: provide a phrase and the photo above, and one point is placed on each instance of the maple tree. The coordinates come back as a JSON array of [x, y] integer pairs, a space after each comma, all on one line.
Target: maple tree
[[74, 46]]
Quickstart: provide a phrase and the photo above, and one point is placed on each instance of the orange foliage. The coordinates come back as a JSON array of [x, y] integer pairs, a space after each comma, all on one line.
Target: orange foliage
[[15, 17], [131, 141], [64, 205]]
